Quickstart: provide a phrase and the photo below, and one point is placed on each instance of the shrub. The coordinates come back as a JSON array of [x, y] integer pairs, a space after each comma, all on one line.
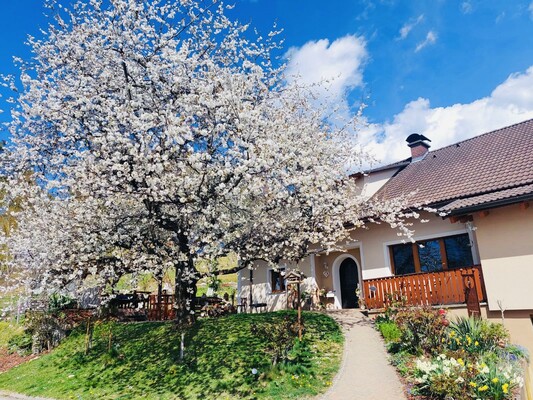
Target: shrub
[[475, 335], [45, 329], [394, 302], [390, 331], [446, 377], [280, 337], [514, 352], [422, 330], [494, 333], [380, 318], [440, 377], [403, 362], [58, 302], [20, 343]]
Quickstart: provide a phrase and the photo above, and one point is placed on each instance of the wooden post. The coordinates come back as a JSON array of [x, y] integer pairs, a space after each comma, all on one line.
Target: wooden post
[[110, 342], [251, 287], [299, 313], [471, 298], [159, 297], [182, 346], [88, 335]]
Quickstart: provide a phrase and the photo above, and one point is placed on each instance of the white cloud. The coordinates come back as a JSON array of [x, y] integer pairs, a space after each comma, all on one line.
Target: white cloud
[[339, 64], [466, 7], [509, 103], [408, 26], [431, 38], [530, 9]]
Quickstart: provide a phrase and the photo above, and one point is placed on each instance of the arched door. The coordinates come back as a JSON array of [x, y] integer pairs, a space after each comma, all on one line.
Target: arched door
[[349, 278]]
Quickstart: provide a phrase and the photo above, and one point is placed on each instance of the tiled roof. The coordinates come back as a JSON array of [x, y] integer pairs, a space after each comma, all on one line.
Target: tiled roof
[[477, 170], [396, 164], [489, 198]]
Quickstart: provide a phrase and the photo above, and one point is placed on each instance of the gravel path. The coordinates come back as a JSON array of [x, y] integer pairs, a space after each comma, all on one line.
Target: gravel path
[[16, 396], [365, 373]]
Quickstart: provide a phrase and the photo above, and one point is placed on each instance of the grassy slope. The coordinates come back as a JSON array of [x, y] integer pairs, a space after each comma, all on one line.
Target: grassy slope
[[7, 331], [220, 356]]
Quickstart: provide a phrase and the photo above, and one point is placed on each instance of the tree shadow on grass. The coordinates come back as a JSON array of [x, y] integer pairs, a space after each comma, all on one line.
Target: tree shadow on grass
[[144, 361]]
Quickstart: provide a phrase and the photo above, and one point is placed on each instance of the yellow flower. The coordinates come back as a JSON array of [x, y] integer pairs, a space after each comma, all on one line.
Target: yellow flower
[[460, 361], [476, 343], [495, 380], [452, 333], [505, 388], [473, 384], [483, 388]]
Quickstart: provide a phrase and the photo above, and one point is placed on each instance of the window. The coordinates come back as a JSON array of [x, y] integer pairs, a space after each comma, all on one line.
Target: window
[[277, 280], [432, 255], [402, 259]]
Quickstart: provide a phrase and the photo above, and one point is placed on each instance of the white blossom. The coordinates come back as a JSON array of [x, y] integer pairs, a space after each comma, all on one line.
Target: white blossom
[[149, 134]]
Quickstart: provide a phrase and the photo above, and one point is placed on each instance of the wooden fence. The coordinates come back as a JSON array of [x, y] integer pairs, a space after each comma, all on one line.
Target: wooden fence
[[432, 288], [161, 310]]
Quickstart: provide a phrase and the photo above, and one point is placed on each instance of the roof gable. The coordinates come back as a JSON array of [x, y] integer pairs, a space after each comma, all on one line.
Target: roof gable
[[492, 162]]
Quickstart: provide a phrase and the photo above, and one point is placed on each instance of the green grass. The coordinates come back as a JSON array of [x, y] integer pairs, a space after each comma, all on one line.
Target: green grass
[[7, 331], [144, 363]]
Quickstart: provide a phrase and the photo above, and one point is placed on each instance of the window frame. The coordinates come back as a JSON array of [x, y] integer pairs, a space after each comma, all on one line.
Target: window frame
[[271, 280], [416, 258]]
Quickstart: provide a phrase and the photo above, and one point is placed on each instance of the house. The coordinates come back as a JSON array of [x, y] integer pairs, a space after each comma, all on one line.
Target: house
[[484, 241]]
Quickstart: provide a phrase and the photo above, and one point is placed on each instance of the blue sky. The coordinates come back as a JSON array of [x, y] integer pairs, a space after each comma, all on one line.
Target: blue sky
[[447, 69]]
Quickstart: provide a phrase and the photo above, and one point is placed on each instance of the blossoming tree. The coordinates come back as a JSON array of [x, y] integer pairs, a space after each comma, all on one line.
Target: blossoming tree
[[158, 133]]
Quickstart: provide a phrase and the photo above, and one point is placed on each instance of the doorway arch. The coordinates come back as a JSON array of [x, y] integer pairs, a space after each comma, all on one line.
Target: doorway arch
[[347, 278]]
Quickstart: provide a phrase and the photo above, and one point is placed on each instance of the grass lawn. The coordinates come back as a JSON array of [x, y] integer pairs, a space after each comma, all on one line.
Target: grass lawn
[[144, 363], [7, 331]]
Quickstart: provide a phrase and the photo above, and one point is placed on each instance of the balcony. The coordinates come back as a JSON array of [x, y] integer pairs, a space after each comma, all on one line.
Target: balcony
[[426, 288]]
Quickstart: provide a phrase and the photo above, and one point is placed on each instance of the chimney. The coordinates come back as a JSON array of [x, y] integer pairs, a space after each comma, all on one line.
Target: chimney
[[419, 146]]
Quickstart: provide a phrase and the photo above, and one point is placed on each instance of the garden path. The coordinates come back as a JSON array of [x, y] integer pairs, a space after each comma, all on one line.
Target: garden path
[[16, 396], [365, 373]]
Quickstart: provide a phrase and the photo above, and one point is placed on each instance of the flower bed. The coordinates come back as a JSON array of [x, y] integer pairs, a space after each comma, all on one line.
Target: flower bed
[[466, 358]]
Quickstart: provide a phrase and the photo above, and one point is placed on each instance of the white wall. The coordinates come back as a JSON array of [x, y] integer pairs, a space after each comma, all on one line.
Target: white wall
[[374, 242], [373, 182], [505, 241], [262, 291]]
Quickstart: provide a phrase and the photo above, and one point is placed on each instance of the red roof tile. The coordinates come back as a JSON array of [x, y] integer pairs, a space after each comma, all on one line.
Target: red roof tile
[[489, 198], [489, 163]]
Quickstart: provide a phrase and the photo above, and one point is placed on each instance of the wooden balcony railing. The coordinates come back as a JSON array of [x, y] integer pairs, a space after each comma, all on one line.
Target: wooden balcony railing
[[429, 288]]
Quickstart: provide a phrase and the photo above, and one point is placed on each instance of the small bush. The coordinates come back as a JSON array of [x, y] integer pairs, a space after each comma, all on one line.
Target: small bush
[[494, 333], [422, 330], [279, 336], [20, 343], [475, 335], [45, 329], [446, 377], [403, 362], [58, 302], [514, 352], [380, 318], [390, 332]]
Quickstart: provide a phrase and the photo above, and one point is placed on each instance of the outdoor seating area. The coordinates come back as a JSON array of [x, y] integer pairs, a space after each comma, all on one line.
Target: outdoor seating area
[[146, 306]]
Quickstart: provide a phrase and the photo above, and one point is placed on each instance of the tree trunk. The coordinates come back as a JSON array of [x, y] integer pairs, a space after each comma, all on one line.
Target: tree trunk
[[185, 291]]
